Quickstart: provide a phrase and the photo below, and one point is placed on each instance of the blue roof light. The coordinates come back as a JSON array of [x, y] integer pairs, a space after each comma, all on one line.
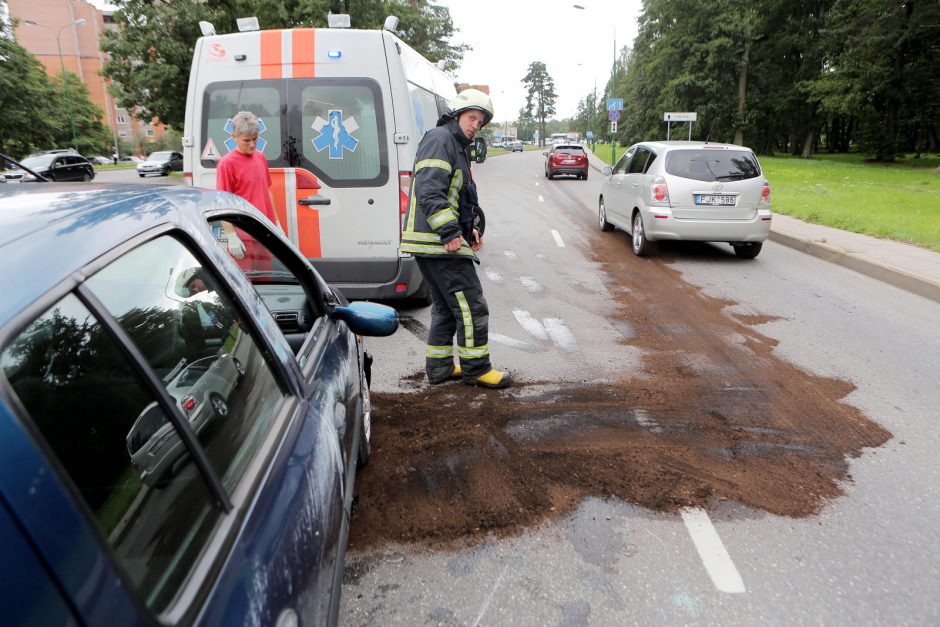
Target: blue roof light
[[334, 54]]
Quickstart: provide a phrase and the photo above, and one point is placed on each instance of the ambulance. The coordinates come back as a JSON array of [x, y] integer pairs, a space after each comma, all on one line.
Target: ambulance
[[342, 112]]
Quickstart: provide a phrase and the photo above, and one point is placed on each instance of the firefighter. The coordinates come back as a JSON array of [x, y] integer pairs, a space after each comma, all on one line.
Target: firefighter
[[443, 230]]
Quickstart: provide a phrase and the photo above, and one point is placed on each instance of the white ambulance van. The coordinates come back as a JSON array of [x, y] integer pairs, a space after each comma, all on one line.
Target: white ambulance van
[[342, 112]]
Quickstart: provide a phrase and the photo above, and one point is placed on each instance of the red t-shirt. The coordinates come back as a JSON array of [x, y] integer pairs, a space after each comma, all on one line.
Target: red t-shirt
[[247, 176]]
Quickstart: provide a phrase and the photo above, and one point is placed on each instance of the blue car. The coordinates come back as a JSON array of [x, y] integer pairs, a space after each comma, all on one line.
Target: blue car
[[172, 328]]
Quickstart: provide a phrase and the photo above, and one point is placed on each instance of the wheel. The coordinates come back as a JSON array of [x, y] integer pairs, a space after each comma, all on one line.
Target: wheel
[[239, 367], [551, 176], [602, 216], [546, 173], [584, 176], [86, 177], [51, 177], [748, 251], [141, 175], [641, 245], [166, 172], [219, 406], [365, 428]]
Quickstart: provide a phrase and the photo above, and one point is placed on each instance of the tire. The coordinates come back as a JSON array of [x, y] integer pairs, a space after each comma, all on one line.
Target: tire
[[86, 177], [584, 176], [141, 175], [51, 178], [748, 251], [602, 216], [364, 444], [219, 406], [551, 177], [641, 245], [239, 367], [166, 172]]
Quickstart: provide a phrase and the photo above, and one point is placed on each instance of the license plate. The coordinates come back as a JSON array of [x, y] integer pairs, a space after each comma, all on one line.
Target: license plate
[[567, 161], [714, 200]]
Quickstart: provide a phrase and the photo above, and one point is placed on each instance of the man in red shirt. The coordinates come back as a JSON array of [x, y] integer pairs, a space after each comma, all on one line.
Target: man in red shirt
[[244, 171]]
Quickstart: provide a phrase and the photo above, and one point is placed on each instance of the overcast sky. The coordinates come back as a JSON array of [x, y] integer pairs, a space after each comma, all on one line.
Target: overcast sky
[[576, 45], [508, 35]]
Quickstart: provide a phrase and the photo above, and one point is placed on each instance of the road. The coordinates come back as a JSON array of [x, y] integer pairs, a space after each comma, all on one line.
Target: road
[[129, 175], [694, 438]]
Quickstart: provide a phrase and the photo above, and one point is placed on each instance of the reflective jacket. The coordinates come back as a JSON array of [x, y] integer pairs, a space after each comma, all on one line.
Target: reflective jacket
[[443, 197]]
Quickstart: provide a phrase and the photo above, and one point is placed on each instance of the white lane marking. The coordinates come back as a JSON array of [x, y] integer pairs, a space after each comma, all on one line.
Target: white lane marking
[[489, 599], [643, 419], [557, 237], [541, 199], [508, 341], [710, 548], [532, 326], [493, 275], [530, 284], [561, 336], [511, 254]]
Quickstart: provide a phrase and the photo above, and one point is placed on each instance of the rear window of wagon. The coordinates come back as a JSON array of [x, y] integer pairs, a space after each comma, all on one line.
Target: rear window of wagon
[[713, 165]]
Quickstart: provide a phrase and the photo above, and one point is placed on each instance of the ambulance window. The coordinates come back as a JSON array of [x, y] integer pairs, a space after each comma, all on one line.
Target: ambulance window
[[343, 131], [224, 100], [424, 106]]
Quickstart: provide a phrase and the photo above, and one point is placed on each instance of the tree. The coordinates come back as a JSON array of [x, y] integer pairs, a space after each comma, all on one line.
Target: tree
[[152, 50], [540, 96]]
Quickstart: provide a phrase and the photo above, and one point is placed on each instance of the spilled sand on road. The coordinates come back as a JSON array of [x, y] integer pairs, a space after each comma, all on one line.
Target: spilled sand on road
[[713, 416]]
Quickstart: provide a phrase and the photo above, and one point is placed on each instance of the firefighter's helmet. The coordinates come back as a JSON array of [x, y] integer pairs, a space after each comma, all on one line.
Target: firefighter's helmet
[[472, 99]]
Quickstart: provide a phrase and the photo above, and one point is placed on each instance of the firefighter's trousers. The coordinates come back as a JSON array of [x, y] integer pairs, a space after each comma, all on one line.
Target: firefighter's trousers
[[458, 310]]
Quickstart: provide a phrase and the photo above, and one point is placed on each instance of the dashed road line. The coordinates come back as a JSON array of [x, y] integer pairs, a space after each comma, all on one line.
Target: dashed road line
[[532, 326], [493, 275], [711, 550], [541, 199], [558, 239]]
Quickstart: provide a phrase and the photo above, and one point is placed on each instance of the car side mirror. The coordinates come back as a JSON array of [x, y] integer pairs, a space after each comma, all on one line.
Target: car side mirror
[[606, 171], [370, 319], [545, 153], [479, 150]]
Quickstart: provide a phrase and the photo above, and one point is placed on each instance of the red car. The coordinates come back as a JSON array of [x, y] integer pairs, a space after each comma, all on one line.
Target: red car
[[566, 159]]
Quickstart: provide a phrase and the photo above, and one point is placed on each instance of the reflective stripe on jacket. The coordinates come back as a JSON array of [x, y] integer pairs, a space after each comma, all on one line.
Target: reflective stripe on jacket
[[439, 200]]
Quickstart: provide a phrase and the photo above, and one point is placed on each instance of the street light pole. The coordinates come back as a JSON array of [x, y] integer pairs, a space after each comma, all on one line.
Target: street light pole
[[65, 80], [613, 84]]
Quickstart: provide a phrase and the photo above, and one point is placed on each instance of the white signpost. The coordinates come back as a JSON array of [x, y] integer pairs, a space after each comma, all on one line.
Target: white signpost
[[672, 116]]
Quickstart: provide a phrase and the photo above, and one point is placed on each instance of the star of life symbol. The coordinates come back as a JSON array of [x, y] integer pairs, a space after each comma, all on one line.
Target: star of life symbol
[[230, 143], [335, 134]]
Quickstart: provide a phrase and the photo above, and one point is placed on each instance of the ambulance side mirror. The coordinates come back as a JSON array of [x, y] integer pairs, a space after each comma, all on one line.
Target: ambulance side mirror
[[479, 149]]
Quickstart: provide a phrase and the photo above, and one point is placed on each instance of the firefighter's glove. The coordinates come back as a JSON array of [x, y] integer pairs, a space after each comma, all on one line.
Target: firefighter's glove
[[236, 247]]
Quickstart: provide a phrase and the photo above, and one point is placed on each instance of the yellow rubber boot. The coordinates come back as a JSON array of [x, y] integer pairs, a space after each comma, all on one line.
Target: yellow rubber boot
[[454, 375], [495, 379]]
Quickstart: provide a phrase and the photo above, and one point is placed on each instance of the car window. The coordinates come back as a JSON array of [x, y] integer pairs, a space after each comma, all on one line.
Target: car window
[[160, 156], [622, 162], [649, 162], [275, 275], [39, 161], [713, 165], [105, 425], [638, 162], [569, 150]]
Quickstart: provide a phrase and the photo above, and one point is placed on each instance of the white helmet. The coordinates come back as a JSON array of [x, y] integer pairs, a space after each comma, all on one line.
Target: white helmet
[[472, 99]]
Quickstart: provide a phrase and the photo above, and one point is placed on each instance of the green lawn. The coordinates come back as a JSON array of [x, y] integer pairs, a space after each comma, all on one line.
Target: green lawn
[[899, 201], [895, 201]]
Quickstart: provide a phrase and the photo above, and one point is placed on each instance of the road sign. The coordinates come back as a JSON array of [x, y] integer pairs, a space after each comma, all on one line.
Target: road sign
[[590, 134], [614, 104], [613, 116], [679, 117], [613, 126]]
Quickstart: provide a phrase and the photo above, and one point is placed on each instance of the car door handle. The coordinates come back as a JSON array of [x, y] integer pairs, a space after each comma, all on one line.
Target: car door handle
[[635, 185], [315, 201]]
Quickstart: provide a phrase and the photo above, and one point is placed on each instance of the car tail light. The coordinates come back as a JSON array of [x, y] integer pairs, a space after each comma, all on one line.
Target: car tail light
[[659, 190], [189, 403], [404, 186], [765, 194]]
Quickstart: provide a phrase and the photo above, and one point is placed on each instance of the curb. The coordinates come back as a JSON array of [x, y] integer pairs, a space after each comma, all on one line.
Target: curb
[[897, 278]]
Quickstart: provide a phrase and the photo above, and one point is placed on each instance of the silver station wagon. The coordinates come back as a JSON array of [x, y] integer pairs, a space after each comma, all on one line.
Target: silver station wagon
[[685, 190]]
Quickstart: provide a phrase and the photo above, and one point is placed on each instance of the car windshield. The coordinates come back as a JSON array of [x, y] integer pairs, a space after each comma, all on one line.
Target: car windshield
[[160, 156], [39, 161], [713, 165]]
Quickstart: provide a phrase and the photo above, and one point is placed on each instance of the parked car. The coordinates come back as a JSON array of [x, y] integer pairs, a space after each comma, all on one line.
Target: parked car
[[161, 163], [201, 390], [513, 146], [566, 158], [101, 160], [103, 321], [55, 166], [684, 190], [130, 159]]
